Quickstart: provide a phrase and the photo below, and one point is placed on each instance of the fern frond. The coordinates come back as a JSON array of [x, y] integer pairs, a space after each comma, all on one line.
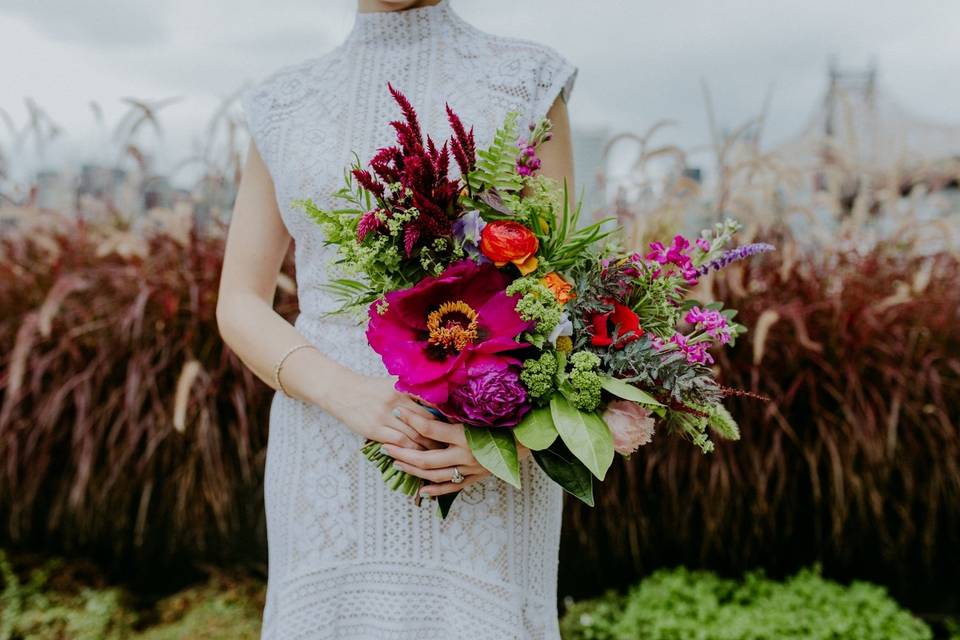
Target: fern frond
[[496, 165]]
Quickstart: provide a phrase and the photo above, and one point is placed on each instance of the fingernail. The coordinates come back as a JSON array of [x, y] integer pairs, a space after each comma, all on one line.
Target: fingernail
[[396, 465], [425, 494], [384, 450]]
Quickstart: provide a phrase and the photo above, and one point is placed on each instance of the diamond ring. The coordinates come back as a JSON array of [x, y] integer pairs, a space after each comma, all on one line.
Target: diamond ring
[[457, 476]]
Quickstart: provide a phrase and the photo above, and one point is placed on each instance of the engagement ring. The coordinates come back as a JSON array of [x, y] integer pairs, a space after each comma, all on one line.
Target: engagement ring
[[457, 476]]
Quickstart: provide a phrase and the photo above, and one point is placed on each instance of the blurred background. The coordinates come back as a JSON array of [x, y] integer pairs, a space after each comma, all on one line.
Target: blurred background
[[132, 441]]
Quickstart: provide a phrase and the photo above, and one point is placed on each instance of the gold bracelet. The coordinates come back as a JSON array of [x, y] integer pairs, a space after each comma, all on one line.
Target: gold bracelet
[[277, 367]]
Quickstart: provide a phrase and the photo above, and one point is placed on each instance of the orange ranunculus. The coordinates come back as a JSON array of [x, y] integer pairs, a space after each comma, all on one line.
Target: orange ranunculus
[[506, 241], [560, 288]]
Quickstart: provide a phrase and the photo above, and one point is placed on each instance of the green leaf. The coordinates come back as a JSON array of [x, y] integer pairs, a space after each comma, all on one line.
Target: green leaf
[[536, 430], [444, 503], [496, 165], [563, 468], [585, 434], [496, 450], [627, 391]]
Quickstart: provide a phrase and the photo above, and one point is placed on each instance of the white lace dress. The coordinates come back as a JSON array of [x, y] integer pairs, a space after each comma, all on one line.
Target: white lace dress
[[347, 557]]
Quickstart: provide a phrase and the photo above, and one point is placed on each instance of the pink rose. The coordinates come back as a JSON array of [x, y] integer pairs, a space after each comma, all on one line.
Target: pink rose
[[630, 424]]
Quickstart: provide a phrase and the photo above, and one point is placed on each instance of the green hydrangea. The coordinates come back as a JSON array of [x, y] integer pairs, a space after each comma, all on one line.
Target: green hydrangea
[[585, 379], [539, 376], [536, 304]]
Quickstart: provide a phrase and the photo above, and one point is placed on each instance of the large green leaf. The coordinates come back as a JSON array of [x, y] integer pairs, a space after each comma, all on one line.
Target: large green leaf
[[585, 434], [496, 450], [568, 472], [536, 430], [627, 391]]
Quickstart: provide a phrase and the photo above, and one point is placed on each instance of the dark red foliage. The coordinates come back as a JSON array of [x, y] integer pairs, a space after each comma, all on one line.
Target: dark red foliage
[[91, 352], [462, 144]]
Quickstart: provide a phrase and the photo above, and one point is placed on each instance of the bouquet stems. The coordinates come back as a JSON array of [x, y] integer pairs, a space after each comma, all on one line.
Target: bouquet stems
[[397, 480]]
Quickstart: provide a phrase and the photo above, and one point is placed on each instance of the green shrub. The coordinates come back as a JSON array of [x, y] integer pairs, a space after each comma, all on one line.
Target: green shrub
[[689, 605], [57, 600]]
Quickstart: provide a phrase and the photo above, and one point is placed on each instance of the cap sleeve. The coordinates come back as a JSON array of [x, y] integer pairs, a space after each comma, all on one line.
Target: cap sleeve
[[555, 76], [256, 109]]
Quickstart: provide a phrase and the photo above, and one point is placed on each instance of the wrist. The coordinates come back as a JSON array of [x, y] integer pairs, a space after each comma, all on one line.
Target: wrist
[[329, 391]]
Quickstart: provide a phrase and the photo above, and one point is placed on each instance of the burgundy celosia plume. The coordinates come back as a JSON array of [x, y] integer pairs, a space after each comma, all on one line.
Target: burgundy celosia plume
[[420, 168]]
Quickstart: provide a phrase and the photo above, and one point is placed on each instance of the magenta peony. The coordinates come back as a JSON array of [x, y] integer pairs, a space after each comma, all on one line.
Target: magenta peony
[[449, 333], [488, 393], [631, 425]]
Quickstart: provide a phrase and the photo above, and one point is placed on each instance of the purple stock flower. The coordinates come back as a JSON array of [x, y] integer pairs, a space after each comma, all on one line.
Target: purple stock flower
[[710, 321], [733, 255], [489, 395], [467, 230], [676, 255], [696, 352], [527, 160]]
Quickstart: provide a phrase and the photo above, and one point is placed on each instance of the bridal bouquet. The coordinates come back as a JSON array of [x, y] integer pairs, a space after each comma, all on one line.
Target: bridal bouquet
[[490, 303]]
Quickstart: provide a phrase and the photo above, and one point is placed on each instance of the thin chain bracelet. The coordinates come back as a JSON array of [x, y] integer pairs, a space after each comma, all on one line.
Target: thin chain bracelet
[[276, 369]]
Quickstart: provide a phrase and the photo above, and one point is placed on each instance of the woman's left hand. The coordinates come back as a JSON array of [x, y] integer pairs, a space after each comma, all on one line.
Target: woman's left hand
[[437, 465]]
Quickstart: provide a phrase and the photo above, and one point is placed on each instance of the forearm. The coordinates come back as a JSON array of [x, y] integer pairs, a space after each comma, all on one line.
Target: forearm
[[260, 337]]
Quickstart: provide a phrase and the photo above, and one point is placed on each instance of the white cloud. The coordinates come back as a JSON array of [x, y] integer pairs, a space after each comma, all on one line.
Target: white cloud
[[640, 62], [99, 23]]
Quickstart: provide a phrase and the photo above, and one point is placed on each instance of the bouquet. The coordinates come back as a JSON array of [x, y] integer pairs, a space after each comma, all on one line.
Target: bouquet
[[496, 308]]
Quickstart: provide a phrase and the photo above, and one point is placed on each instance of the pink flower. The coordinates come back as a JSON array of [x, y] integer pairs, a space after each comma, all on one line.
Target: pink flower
[[695, 352], [676, 255], [630, 424], [710, 321], [435, 331]]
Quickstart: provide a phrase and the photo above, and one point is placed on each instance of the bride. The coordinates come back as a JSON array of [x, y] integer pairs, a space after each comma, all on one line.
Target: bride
[[348, 558]]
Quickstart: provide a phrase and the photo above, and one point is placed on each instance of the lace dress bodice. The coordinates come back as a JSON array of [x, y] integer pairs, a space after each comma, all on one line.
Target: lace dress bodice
[[349, 558]]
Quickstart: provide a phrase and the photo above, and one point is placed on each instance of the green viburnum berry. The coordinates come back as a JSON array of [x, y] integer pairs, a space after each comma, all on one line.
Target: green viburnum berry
[[539, 376], [585, 380], [536, 304]]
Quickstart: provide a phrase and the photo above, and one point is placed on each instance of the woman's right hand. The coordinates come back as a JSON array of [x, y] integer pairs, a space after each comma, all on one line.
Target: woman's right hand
[[371, 408]]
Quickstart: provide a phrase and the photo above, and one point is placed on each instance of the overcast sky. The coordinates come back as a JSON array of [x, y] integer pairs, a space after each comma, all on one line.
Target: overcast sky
[[640, 61]]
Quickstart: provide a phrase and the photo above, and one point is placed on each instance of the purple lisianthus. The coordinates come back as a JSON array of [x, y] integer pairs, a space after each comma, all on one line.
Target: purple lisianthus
[[467, 230], [490, 393]]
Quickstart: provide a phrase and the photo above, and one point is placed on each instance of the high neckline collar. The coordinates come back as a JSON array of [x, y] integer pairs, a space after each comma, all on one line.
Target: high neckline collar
[[370, 26]]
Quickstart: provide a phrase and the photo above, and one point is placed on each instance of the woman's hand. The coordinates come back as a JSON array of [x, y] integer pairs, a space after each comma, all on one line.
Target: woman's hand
[[437, 465], [371, 407]]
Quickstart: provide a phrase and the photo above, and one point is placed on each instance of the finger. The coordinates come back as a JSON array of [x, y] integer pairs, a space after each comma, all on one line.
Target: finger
[[434, 429], [434, 490], [441, 476], [401, 426], [390, 436], [414, 406], [409, 405], [433, 459]]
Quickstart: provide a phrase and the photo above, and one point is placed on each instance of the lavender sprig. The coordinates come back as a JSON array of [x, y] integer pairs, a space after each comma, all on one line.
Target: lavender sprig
[[733, 255]]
